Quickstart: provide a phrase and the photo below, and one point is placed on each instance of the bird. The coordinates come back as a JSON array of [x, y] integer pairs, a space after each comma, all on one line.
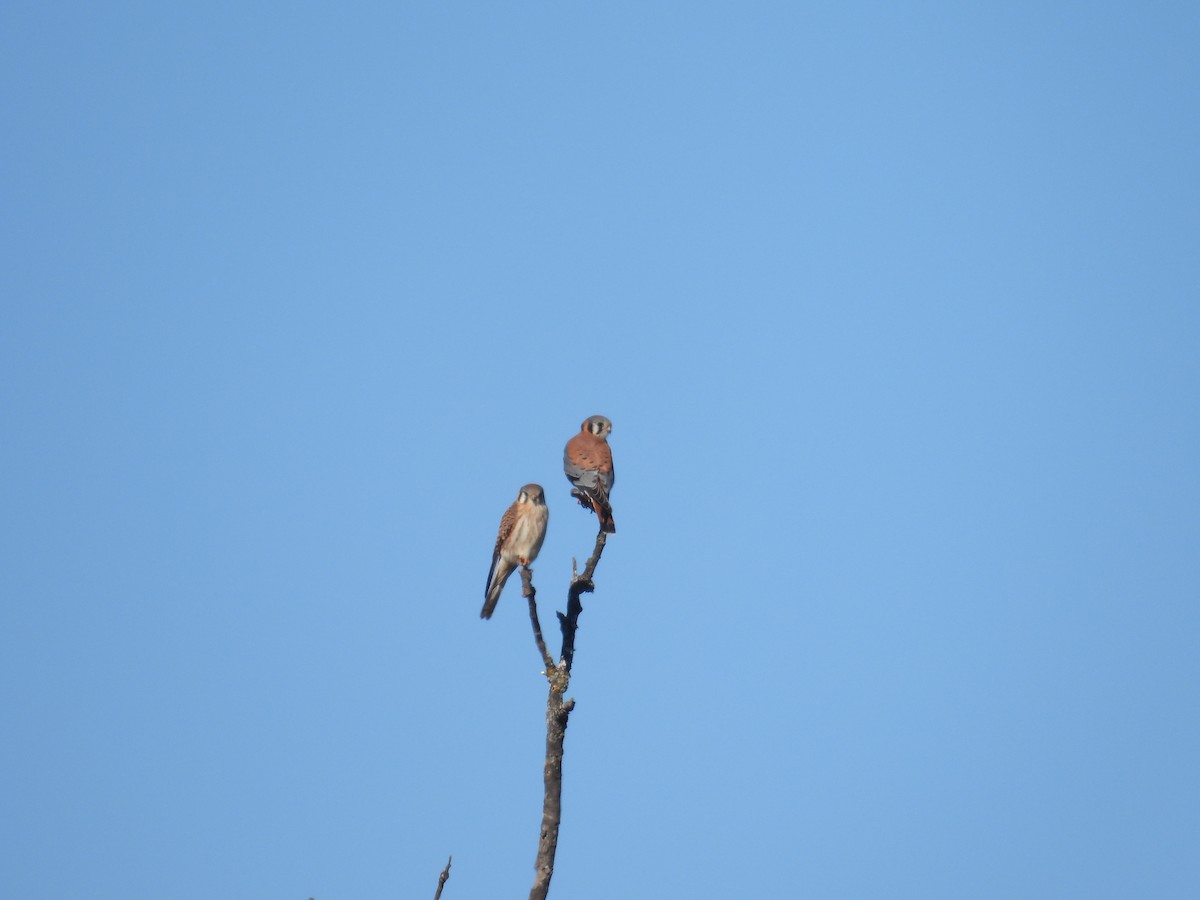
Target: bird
[[522, 530], [587, 462]]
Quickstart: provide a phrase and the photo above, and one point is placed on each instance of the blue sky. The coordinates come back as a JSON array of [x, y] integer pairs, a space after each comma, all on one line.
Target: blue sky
[[895, 313]]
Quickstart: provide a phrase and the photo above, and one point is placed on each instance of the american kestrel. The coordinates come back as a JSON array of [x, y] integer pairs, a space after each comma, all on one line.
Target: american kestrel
[[522, 530], [589, 467]]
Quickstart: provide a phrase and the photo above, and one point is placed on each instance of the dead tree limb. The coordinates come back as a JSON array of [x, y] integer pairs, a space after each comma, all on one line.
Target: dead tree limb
[[530, 593], [443, 878], [558, 710]]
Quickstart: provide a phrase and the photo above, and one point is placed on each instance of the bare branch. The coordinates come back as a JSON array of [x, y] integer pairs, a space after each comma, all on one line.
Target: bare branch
[[580, 584], [590, 568], [443, 878], [558, 710], [530, 593]]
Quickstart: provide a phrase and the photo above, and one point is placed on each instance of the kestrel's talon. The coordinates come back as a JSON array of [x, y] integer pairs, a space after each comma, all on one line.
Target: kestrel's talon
[[522, 530]]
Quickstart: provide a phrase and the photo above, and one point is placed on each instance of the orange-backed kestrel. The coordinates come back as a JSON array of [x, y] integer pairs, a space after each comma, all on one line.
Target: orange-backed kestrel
[[522, 530], [589, 467]]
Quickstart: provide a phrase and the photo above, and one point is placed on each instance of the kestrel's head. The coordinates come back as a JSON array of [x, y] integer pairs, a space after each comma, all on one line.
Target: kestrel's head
[[532, 493], [597, 425]]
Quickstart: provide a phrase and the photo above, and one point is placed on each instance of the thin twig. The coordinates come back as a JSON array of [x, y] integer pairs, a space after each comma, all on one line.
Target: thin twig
[[443, 878], [530, 593]]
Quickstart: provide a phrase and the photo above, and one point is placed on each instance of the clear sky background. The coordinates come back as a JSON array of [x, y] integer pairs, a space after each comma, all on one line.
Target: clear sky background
[[895, 309]]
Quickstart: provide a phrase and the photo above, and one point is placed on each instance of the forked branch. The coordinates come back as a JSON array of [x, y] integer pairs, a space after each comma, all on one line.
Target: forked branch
[[558, 710]]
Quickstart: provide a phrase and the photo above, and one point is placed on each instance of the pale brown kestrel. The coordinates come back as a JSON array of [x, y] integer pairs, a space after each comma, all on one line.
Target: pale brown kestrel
[[587, 460], [522, 530]]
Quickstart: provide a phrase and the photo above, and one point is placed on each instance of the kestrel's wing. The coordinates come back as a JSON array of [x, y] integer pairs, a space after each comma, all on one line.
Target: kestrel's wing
[[501, 569], [507, 523]]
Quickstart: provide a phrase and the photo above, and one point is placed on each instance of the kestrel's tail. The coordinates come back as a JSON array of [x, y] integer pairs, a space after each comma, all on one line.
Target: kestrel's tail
[[497, 578], [598, 503]]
